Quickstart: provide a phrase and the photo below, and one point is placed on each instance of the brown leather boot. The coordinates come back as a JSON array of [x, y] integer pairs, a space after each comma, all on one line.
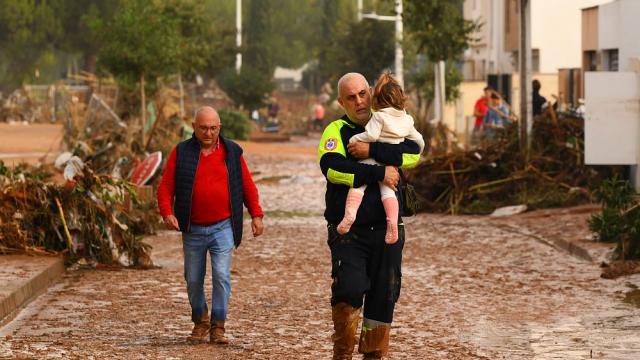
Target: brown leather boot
[[374, 339], [200, 329], [345, 324], [217, 333]]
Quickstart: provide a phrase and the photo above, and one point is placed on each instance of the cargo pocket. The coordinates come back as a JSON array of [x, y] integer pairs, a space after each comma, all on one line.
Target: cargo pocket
[[333, 236], [396, 283], [336, 265]]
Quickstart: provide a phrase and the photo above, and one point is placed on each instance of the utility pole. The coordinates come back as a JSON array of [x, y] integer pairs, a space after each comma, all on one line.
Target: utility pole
[[399, 55], [238, 35], [439, 91], [525, 78]]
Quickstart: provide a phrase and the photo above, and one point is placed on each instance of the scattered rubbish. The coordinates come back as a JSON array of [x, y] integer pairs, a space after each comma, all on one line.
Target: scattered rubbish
[[495, 174], [88, 219], [509, 210], [618, 268], [147, 169], [62, 160], [73, 166]]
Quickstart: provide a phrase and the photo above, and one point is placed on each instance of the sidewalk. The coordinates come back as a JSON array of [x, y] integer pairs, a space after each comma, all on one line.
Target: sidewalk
[[569, 232], [22, 278]]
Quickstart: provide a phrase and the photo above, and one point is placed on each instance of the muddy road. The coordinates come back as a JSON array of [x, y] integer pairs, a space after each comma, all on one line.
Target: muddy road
[[471, 289]]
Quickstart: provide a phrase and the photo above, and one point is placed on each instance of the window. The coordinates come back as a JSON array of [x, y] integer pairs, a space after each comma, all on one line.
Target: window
[[613, 60], [610, 60], [535, 60], [590, 61]]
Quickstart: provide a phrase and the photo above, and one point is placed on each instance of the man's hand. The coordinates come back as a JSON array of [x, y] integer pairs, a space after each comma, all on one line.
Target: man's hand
[[391, 177], [256, 226], [171, 222], [359, 150]]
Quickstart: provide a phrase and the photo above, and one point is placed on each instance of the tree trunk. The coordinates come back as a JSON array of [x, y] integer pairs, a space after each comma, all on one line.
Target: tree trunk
[[143, 100], [90, 60]]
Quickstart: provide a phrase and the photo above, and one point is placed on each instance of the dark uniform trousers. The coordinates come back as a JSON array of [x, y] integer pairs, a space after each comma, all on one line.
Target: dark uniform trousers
[[365, 267]]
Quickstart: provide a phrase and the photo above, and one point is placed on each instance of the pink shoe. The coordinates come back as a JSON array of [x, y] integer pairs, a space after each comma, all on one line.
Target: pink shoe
[[345, 224], [391, 237], [391, 209]]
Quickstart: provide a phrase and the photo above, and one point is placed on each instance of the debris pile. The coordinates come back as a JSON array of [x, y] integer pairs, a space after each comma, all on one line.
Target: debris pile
[[495, 174], [90, 216]]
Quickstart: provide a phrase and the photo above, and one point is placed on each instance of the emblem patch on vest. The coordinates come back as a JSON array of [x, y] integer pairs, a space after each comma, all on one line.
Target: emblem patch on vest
[[331, 144]]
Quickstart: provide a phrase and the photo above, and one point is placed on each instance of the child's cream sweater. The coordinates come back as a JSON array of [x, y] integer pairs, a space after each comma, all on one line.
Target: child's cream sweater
[[390, 125]]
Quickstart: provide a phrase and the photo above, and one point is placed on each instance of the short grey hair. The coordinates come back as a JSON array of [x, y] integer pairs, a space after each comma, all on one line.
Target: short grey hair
[[204, 109], [349, 76]]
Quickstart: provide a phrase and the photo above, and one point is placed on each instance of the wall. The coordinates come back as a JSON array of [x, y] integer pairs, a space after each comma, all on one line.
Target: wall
[[556, 29], [590, 29], [609, 26], [488, 55], [459, 114], [630, 39]]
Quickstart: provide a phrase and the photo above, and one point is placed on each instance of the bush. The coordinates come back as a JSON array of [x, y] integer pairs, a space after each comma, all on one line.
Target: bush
[[235, 124], [248, 89], [619, 220]]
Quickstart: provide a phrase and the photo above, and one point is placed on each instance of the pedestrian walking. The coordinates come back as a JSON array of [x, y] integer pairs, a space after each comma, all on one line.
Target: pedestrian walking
[[205, 183], [366, 271]]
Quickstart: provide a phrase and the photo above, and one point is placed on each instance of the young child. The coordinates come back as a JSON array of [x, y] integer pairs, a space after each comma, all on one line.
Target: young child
[[391, 124]]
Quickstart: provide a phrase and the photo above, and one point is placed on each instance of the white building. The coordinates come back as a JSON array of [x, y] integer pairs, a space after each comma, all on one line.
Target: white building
[[556, 53], [611, 60], [610, 40], [555, 36]]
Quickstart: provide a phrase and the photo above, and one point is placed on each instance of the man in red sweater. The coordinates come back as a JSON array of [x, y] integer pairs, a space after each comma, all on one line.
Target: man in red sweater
[[205, 183], [479, 111]]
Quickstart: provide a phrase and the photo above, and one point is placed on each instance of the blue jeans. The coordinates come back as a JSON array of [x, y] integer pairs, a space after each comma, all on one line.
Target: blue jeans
[[217, 239]]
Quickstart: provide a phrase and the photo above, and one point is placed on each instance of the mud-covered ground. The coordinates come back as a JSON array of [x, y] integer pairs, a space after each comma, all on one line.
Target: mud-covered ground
[[472, 289]]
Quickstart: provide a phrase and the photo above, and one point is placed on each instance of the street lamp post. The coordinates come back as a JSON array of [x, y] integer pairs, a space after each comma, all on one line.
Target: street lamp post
[[238, 35], [399, 55], [525, 78]]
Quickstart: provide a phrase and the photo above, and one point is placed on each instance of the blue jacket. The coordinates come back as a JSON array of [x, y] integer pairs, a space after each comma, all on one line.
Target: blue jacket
[[187, 157]]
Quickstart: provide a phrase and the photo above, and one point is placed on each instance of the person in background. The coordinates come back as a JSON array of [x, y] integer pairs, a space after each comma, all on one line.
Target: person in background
[[272, 110], [205, 183], [538, 100], [479, 111], [318, 116], [497, 116]]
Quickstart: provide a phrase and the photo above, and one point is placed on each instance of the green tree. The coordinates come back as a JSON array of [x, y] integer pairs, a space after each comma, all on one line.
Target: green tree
[[438, 31], [259, 53], [146, 40], [79, 21], [248, 88], [372, 53], [337, 16], [365, 46], [27, 32]]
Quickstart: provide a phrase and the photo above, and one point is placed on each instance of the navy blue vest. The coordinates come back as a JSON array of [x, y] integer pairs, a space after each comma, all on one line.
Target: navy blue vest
[[187, 156]]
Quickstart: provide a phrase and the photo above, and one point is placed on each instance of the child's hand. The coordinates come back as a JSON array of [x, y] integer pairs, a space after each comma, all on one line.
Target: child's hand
[[359, 150]]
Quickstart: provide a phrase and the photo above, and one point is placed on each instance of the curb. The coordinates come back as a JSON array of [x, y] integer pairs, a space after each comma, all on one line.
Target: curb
[[564, 245], [25, 292]]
